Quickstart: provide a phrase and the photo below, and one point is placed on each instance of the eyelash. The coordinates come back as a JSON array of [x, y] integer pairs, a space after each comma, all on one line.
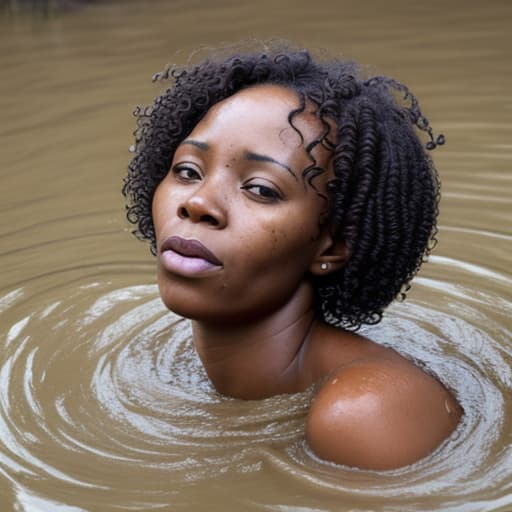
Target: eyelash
[[266, 194], [273, 195], [179, 169]]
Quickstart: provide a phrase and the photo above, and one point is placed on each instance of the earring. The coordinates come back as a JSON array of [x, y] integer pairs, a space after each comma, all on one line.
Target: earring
[[324, 266]]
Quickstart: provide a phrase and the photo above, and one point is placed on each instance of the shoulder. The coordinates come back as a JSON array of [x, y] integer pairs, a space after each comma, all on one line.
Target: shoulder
[[380, 414]]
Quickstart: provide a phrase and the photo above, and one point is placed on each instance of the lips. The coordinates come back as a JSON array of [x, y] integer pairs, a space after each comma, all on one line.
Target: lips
[[188, 258], [190, 248]]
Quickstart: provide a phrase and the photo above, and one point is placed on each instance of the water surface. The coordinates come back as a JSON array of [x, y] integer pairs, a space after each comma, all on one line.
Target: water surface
[[104, 405]]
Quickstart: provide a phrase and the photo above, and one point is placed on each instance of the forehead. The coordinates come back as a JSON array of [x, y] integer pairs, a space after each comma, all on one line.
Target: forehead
[[261, 114]]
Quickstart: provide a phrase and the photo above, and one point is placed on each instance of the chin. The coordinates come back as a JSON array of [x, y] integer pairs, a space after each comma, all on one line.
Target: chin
[[180, 308], [209, 311], [190, 308]]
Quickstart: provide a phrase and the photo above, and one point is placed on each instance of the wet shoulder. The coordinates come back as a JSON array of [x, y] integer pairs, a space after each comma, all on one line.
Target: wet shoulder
[[381, 412]]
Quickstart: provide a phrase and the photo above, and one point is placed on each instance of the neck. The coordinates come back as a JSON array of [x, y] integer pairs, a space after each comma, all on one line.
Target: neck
[[260, 358]]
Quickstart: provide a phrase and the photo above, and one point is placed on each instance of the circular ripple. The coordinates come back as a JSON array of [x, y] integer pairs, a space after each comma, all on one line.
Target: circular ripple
[[101, 386]]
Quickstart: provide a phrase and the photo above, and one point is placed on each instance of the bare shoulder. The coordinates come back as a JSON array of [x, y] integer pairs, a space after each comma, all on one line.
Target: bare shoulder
[[380, 413]]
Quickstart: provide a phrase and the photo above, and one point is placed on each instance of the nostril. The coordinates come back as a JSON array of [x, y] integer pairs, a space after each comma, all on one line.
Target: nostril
[[197, 213], [210, 220]]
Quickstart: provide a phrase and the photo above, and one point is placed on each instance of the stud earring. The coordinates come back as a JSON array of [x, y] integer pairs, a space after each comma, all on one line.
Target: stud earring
[[324, 266]]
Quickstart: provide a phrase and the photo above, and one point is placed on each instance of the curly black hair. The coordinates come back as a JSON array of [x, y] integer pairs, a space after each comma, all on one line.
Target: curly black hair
[[385, 195]]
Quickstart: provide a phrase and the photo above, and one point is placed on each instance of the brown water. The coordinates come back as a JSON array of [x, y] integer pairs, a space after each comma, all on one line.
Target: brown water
[[103, 403]]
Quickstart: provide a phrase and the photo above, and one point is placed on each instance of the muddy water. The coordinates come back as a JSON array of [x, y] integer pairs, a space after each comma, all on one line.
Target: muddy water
[[103, 403]]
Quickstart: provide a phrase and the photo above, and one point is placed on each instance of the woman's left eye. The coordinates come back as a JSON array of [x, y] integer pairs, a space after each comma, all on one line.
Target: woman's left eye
[[263, 192]]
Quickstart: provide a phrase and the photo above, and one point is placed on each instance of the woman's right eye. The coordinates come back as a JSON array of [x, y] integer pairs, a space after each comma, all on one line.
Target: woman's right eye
[[186, 173]]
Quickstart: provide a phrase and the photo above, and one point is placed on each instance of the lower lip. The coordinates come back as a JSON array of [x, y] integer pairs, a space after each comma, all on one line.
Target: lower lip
[[185, 265]]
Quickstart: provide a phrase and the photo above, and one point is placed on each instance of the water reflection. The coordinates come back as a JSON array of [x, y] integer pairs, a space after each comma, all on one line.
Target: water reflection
[[44, 8]]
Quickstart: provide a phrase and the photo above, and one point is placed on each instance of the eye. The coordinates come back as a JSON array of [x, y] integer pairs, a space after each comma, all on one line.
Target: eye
[[186, 173], [265, 193]]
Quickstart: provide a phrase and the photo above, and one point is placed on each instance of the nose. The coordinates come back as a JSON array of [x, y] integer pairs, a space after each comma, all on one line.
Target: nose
[[203, 207]]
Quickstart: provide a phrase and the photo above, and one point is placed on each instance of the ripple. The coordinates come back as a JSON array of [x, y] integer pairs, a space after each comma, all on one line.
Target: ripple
[[100, 385]]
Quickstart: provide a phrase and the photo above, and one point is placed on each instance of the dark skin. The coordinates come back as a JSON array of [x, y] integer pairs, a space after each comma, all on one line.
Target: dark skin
[[235, 186]]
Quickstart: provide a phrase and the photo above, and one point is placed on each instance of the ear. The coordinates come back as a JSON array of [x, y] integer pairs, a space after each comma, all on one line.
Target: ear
[[331, 255]]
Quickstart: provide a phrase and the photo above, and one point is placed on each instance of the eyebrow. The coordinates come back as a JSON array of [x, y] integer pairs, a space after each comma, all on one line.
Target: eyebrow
[[249, 155], [200, 145], [264, 158]]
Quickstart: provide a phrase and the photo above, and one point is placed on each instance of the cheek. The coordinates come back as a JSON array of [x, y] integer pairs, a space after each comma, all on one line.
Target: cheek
[[162, 207], [271, 247], [156, 205]]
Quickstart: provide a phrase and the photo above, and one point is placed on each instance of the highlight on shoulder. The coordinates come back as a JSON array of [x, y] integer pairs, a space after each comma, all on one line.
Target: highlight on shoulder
[[380, 415]]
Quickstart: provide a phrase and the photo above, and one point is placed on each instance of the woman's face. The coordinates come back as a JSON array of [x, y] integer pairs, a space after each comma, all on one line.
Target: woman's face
[[237, 228]]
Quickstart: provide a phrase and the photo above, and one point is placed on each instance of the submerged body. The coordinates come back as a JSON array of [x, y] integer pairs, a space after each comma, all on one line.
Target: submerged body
[[240, 238]]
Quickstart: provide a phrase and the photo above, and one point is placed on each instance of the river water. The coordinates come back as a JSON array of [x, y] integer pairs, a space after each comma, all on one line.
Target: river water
[[103, 403]]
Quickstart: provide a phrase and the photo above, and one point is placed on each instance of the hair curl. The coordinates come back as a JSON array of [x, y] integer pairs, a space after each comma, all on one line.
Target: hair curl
[[385, 195]]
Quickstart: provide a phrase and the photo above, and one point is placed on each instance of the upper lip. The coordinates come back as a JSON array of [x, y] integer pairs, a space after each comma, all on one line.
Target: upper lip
[[191, 248]]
